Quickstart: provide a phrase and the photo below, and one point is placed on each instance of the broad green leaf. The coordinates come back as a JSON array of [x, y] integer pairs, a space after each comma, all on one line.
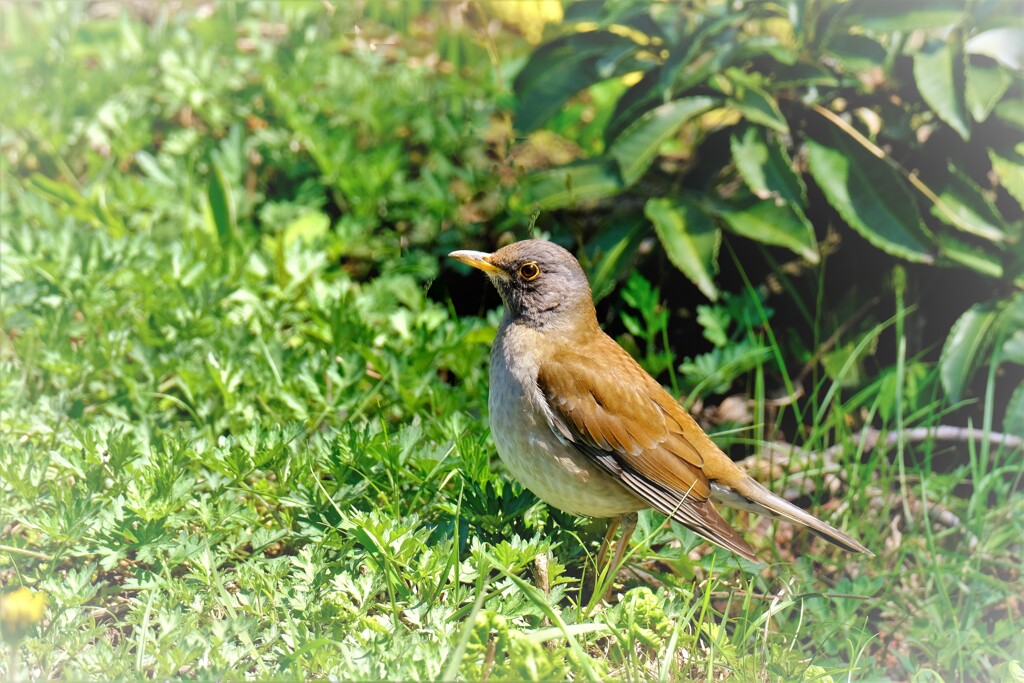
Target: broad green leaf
[[856, 52], [967, 347], [1012, 329], [970, 342], [690, 240], [756, 105], [939, 74], [965, 206], [1013, 348], [1011, 111], [607, 14], [768, 222], [568, 185], [639, 98], [1009, 167], [764, 47], [638, 145], [904, 15], [970, 256], [563, 67], [610, 253], [569, 48], [1004, 44], [1013, 419], [766, 167], [802, 74], [985, 86], [222, 205], [869, 195], [703, 52], [589, 11]]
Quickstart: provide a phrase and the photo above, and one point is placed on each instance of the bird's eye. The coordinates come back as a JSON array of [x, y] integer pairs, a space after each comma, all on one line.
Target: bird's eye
[[529, 271]]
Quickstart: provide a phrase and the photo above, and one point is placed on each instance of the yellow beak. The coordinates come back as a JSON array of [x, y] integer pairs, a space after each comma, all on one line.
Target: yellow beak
[[480, 260]]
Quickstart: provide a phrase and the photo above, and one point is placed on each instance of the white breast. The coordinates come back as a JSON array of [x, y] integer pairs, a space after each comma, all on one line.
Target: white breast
[[550, 467]]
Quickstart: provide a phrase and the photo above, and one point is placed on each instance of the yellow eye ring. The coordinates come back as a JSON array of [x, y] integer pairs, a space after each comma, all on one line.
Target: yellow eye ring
[[529, 271]]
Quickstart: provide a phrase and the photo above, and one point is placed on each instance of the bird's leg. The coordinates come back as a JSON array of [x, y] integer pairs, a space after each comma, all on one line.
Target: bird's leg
[[606, 543], [628, 526], [628, 522]]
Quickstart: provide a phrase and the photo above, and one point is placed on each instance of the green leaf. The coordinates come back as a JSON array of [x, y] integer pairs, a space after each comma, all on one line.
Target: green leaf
[[705, 51], [308, 228], [222, 205], [92, 210], [766, 167], [970, 342], [964, 206], [869, 195], [569, 185], [768, 222], [715, 321], [1011, 327], [856, 52], [714, 372], [610, 253], [985, 86], [640, 97], [690, 240], [56, 192], [1013, 420], [967, 347], [1011, 111], [968, 255], [1013, 348], [563, 67], [151, 167], [802, 74], [756, 105], [939, 73], [1005, 44], [1009, 167], [637, 146], [904, 15]]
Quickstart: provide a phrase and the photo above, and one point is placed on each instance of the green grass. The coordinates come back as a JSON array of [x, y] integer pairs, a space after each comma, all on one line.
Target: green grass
[[242, 436]]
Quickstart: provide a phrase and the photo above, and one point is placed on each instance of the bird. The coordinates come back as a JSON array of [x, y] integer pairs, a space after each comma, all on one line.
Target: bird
[[584, 427]]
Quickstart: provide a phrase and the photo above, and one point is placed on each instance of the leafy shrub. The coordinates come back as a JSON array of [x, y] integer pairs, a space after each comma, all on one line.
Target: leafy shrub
[[903, 117]]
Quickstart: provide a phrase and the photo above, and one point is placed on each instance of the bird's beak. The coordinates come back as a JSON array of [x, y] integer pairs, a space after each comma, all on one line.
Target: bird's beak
[[480, 260]]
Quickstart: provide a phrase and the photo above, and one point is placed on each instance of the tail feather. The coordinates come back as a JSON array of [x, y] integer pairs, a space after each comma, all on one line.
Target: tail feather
[[751, 496]]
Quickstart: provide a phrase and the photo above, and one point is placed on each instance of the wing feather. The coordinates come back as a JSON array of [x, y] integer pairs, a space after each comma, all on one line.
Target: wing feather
[[632, 433]]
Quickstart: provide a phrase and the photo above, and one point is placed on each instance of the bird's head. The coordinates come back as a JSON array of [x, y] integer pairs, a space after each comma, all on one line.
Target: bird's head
[[541, 284]]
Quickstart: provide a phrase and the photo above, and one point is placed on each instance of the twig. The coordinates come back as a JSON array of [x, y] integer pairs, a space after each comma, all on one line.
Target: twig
[[781, 453], [23, 551], [940, 433], [775, 456]]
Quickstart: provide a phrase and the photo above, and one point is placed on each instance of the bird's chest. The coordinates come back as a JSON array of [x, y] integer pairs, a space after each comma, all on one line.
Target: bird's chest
[[550, 467]]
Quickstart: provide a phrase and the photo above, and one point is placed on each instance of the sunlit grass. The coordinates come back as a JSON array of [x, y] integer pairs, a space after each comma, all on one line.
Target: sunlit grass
[[259, 448]]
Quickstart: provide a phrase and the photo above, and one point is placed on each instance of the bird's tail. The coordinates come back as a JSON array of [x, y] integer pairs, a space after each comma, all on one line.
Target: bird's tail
[[749, 495]]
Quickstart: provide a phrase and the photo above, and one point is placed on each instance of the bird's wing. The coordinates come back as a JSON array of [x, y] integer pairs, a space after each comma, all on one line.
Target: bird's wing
[[614, 413]]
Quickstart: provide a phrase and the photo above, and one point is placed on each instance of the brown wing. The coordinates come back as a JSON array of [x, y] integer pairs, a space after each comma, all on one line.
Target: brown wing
[[623, 420]]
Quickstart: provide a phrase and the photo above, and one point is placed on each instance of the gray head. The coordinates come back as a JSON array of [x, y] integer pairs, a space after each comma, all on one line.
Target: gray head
[[541, 284]]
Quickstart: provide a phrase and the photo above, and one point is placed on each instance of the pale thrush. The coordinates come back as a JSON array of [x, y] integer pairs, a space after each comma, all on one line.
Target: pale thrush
[[586, 429]]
